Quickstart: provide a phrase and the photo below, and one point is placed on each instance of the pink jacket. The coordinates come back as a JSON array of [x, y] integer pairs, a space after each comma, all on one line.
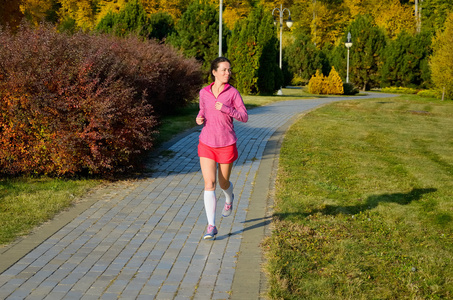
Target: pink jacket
[[218, 128]]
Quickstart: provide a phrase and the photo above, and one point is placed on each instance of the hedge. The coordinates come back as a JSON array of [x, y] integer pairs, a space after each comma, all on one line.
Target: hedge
[[84, 103]]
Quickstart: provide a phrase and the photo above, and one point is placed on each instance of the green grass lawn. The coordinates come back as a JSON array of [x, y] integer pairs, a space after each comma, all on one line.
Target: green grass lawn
[[27, 202], [364, 203]]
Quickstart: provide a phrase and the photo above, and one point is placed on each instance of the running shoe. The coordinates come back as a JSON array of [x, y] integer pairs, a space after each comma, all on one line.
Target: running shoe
[[227, 209], [210, 232]]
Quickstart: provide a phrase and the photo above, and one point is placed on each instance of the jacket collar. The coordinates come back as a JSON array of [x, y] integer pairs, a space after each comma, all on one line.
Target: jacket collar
[[208, 88]]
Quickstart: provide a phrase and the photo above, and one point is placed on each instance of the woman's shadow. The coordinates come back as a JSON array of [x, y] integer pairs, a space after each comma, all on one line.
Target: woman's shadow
[[370, 203]]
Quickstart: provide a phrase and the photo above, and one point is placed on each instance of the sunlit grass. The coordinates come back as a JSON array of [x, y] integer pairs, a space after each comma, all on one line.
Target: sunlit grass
[[28, 202], [364, 203]]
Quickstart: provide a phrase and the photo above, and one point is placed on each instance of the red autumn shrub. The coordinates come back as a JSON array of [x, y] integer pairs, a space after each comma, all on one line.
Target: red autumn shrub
[[75, 103], [171, 80]]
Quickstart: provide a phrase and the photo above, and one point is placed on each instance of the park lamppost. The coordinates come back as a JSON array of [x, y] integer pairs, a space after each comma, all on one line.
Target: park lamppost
[[348, 45], [289, 23], [220, 27]]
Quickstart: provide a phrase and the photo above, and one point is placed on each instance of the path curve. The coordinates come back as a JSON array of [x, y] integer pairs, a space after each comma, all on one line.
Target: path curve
[[142, 239]]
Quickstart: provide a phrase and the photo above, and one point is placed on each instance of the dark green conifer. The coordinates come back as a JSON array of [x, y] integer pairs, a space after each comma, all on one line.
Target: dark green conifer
[[253, 52]]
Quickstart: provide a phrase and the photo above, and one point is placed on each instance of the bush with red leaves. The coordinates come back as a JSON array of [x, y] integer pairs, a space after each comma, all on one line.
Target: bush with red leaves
[[84, 103]]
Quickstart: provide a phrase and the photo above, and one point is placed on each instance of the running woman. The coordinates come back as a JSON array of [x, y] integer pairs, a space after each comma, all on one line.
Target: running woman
[[220, 103]]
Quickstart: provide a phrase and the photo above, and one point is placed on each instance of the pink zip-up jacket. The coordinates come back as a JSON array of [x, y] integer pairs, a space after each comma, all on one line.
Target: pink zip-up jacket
[[218, 128]]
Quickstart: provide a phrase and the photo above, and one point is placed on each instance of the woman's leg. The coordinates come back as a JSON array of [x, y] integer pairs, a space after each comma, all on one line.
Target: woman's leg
[[224, 175], [227, 187], [208, 169]]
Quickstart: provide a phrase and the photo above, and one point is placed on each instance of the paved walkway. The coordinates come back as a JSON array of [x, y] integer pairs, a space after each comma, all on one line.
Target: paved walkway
[[142, 239]]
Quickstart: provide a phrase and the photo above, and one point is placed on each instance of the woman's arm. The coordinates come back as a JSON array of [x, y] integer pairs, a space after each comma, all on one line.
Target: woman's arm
[[238, 111], [200, 116]]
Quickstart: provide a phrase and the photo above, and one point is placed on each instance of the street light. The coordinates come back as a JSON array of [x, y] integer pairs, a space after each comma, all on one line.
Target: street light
[[220, 27], [348, 45], [289, 23]]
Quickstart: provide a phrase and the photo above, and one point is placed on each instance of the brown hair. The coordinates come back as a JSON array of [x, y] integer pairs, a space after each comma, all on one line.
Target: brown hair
[[215, 64]]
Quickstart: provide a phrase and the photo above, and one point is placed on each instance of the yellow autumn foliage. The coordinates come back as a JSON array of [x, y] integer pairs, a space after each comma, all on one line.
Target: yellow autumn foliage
[[441, 61], [35, 10], [332, 84], [316, 85]]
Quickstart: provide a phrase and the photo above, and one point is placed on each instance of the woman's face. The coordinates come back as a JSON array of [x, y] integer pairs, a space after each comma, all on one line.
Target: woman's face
[[223, 72]]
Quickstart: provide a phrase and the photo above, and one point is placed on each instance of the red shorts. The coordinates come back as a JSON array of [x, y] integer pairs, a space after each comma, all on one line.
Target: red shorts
[[222, 155]]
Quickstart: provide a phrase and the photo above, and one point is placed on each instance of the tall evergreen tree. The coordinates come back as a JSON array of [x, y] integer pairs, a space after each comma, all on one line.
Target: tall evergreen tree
[[162, 25], [366, 53], [198, 32], [131, 19], [406, 61], [252, 49], [303, 57]]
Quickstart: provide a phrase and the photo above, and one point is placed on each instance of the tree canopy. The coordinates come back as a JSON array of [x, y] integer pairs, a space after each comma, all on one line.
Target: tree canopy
[[442, 59]]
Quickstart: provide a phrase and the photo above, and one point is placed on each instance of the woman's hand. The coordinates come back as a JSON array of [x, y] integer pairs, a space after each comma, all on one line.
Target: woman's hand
[[218, 105], [199, 120]]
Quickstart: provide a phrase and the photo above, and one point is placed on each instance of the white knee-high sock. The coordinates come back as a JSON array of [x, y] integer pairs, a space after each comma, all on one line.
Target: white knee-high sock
[[228, 194], [210, 206]]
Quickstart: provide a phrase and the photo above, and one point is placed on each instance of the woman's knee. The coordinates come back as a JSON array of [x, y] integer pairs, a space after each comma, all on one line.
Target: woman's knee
[[224, 184], [209, 186]]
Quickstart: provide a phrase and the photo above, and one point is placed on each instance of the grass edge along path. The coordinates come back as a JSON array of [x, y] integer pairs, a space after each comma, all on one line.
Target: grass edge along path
[[363, 204]]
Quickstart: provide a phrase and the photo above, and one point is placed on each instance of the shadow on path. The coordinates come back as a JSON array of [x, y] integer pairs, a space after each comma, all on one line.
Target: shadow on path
[[262, 222]]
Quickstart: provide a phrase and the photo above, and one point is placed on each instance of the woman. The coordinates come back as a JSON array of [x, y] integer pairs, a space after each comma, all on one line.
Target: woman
[[219, 104]]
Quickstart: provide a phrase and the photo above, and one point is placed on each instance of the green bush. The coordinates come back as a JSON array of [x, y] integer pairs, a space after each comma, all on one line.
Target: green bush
[[349, 89], [84, 103]]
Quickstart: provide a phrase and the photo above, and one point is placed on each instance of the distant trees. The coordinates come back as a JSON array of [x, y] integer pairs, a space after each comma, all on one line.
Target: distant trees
[[434, 13], [82, 12], [303, 57], [39, 10], [252, 50], [406, 61], [198, 32], [10, 14], [162, 25], [366, 53], [442, 59], [131, 19], [393, 16], [390, 46]]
